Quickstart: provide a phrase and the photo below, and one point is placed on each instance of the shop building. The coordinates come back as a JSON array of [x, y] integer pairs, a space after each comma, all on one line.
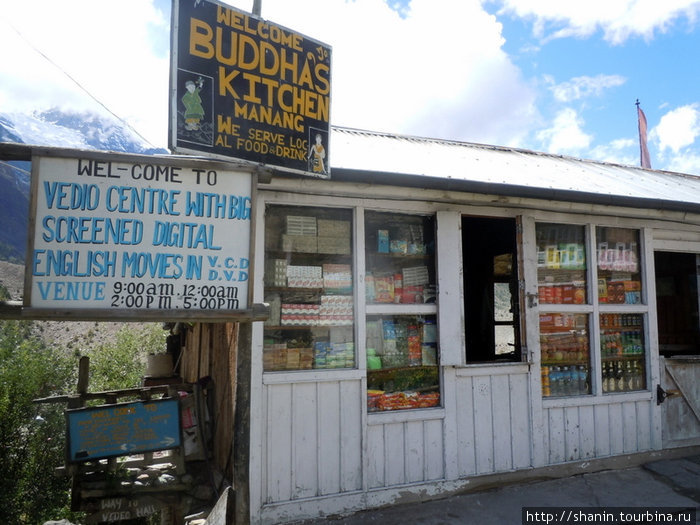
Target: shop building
[[441, 312]]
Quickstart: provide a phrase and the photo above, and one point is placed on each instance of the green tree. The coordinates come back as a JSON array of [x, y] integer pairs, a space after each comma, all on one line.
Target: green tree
[[121, 363], [31, 436]]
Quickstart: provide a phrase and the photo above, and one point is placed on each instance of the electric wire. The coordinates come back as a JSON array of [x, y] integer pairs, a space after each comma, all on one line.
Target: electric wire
[[77, 83]]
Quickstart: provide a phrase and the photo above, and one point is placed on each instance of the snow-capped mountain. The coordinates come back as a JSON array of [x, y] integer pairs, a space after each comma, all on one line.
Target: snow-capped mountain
[[65, 129], [55, 128]]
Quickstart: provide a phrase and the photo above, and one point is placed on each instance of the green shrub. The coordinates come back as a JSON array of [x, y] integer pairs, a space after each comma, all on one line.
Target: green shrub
[[31, 435]]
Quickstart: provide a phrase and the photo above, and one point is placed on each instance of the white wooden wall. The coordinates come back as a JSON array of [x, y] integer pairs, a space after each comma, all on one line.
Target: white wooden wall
[[405, 452], [492, 420], [593, 431], [313, 439]]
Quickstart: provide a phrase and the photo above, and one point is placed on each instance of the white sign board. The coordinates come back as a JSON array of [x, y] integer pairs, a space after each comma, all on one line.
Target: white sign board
[[112, 232]]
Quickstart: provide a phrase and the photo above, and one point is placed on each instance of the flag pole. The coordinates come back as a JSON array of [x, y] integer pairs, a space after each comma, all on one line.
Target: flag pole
[[257, 7]]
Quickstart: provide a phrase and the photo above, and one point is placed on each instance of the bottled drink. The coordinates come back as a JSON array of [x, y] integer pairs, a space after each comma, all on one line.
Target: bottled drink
[[619, 377], [582, 379]]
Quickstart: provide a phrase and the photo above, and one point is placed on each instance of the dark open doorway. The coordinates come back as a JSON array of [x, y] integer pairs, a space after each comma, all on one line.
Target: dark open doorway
[[491, 301], [677, 303]]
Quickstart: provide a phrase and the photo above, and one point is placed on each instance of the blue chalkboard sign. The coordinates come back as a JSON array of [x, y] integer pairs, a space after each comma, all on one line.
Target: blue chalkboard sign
[[122, 429]]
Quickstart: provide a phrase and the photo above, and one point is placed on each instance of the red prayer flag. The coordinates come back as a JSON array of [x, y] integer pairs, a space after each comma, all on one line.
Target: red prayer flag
[[644, 160]]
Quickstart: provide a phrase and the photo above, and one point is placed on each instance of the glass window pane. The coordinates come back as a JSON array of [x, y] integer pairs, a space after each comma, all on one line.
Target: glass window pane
[[622, 352], [566, 362], [505, 339], [402, 362], [309, 286], [619, 274], [561, 264], [502, 305], [400, 258]]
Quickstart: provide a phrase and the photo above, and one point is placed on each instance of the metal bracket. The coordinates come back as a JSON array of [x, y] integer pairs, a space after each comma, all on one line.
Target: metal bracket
[[531, 299], [662, 394]]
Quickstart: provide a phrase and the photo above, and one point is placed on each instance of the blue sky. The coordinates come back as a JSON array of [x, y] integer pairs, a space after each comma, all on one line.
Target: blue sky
[[546, 75]]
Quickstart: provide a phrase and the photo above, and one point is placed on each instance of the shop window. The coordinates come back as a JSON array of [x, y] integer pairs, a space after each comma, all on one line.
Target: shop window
[[309, 287], [561, 264], [619, 274], [569, 311], [491, 298], [401, 330]]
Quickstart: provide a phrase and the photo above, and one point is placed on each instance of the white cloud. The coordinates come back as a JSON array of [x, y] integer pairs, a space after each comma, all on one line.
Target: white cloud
[[617, 152], [585, 86], [617, 19], [566, 135], [678, 128], [416, 72]]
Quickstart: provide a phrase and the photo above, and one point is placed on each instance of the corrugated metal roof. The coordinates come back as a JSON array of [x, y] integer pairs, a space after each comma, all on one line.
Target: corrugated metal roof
[[494, 168]]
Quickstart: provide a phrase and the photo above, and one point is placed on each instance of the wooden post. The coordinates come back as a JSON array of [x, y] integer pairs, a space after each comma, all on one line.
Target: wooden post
[[241, 436]]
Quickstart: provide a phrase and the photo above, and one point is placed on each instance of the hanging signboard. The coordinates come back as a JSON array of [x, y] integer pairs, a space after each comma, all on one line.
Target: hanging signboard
[[122, 429], [123, 232], [249, 89]]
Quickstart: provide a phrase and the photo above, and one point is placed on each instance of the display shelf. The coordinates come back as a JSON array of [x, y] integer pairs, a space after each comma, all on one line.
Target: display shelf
[[401, 309], [305, 327]]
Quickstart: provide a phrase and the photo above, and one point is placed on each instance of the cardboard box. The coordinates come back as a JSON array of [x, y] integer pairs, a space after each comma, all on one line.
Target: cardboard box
[[334, 245], [331, 228], [299, 243]]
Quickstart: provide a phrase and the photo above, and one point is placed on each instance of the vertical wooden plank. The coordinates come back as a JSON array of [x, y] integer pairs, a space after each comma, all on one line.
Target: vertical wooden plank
[[557, 437], [655, 361], [644, 427], [521, 444], [329, 467], [351, 409], [615, 422], [602, 430], [434, 450], [587, 431], [279, 443], [572, 435], [629, 424], [376, 476], [500, 401], [452, 412], [466, 448], [304, 440], [394, 451], [483, 425], [415, 451]]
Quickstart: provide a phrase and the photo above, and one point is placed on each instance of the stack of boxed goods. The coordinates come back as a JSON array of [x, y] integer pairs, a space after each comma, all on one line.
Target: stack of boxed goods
[[333, 236], [414, 279], [305, 276], [300, 314], [337, 277], [334, 355], [278, 356], [276, 272], [336, 310], [274, 356], [311, 235], [300, 234]]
